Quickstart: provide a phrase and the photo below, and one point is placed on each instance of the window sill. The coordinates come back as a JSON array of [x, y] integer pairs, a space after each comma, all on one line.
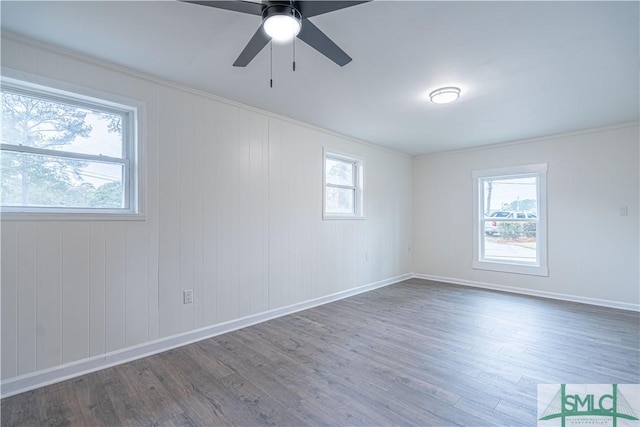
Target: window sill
[[532, 270], [331, 217], [71, 216]]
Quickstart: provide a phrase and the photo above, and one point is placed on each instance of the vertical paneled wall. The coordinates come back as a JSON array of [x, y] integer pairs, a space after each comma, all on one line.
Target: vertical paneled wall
[[233, 211]]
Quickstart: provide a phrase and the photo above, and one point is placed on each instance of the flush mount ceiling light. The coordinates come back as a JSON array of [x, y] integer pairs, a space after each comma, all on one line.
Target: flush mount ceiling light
[[445, 95], [281, 22]]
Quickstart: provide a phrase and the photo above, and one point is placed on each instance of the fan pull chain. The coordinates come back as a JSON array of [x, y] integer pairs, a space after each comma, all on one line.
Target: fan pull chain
[[271, 64], [294, 43]]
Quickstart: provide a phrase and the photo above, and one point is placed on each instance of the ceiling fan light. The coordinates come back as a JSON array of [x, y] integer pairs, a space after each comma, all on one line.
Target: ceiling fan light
[[282, 27], [444, 95]]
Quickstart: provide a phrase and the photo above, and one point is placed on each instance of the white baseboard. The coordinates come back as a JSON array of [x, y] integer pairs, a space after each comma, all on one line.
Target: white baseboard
[[532, 292], [67, 371], [16, 385]]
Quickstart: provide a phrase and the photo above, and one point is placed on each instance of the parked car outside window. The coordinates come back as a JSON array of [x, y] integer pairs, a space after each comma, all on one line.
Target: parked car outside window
[[491, 227]]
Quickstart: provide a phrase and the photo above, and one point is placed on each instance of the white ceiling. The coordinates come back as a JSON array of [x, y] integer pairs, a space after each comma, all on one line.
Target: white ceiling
[[526, 69]]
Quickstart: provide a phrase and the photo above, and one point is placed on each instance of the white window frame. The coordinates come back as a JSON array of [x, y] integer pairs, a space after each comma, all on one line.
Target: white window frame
[[133, 153], [358, 187], [540, 267]]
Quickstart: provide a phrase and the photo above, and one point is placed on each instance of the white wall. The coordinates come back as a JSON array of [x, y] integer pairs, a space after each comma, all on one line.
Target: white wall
[[234, 199], [593, 252]]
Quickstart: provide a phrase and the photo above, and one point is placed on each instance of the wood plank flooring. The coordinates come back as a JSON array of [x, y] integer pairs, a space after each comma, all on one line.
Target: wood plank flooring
[[416, 353]]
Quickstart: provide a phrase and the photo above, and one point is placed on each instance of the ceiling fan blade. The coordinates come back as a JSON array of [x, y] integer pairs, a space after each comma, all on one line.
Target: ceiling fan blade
[[314, 37], [315, 8], [255, 45], [236, 6]]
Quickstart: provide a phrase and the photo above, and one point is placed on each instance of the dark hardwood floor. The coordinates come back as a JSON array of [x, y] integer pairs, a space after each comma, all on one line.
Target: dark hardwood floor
[[416, 353]]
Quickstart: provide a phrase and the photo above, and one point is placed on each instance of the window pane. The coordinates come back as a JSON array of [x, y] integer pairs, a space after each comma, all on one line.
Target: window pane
[[46, 181], [340, 200], [340, 173], [41, 123], [515, 196], [510, 241]]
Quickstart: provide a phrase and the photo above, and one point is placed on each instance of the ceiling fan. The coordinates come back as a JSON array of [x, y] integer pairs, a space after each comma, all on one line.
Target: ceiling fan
[[285, 20]]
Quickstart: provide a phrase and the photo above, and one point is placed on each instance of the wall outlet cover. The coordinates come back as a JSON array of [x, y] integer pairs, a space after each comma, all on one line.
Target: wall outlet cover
[[187, 296]]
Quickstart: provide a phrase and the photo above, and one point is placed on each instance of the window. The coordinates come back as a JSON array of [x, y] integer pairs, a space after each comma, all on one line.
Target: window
[[66, 153], [510, 220], [343, 179]]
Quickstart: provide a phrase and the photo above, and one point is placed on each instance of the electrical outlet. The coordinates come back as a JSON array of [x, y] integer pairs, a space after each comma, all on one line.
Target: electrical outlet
[[366, 256], [187, 296], [624, 211]]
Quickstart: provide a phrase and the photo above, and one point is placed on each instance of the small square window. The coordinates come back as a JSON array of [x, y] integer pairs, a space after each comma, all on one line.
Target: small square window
[[343, 176]]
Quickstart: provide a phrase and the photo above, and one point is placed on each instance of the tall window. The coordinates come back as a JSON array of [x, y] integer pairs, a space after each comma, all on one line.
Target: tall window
[[343, 176], [66, 153], [510, 220]]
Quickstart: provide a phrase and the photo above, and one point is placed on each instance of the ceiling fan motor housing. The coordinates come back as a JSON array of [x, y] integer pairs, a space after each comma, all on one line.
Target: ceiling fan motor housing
[[280, 11]]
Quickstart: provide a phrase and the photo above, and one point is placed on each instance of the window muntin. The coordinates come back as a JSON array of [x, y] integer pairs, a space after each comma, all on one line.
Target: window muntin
[[65, 153], [342, 187], [509, 220]]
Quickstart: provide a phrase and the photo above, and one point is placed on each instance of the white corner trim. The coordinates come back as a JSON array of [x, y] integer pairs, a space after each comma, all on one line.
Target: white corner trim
[[70, 370], [536, 139], [532, 292]]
